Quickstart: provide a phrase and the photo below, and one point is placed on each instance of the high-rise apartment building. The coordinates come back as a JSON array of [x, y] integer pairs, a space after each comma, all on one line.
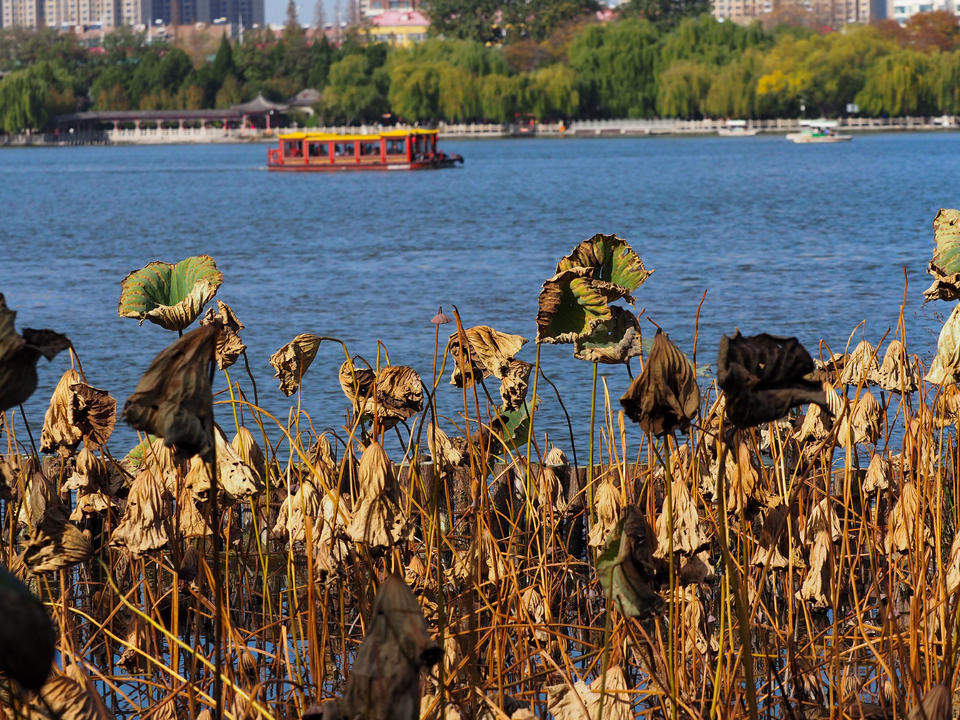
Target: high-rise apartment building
[[372, 8], [902, 10], [830, 13], [64, 14], [21, 13]]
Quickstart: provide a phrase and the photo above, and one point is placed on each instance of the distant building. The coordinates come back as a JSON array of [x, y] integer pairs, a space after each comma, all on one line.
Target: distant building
[[903, 10], [827, 13], [68, 14], [397, 27], [21, 13], [372, 8]]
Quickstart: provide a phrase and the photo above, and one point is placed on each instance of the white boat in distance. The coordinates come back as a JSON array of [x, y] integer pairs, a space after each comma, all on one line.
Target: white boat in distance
[[818, 131], [737, 128]]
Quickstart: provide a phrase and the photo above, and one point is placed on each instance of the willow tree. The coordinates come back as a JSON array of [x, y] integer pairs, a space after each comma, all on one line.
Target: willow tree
[[898, 84], [23, 99], [682, 89]]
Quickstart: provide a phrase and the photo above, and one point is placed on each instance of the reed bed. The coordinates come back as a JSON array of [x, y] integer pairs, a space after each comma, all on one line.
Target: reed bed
[[804, 566]]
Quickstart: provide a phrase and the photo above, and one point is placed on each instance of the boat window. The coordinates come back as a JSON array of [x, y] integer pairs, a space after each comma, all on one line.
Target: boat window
[[395, 147], [344, 149], [291, 148], [317, 149], [370, 148]]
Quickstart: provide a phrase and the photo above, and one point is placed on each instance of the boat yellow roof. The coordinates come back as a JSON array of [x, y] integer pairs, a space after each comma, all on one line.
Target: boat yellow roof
[[334, 137]]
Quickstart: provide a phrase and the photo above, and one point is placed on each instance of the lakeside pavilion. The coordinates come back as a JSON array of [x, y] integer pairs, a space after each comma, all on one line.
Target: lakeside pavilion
[[258, 113]]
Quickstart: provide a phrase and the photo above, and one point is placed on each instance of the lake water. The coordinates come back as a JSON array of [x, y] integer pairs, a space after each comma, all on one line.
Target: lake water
[[787, 239]]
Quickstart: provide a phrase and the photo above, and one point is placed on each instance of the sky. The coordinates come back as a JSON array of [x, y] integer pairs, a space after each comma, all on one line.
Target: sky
[[276, 11]]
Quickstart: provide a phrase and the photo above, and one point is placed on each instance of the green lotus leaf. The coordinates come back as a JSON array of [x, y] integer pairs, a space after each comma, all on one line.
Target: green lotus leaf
[[172, 296], [572, 304], [628, 571], [945, 265], [611, 259], [613, 341], [945, 368]]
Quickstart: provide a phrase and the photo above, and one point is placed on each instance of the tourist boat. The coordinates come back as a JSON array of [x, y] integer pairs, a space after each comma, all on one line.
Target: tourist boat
[[389, 150], [736, 128], [818, 131]]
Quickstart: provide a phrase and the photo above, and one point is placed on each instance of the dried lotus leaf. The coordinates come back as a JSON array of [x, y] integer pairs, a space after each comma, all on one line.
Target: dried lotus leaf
[[173, 399], [292, 516], [877, 478], [59, 433], [488, 352], [628, 570], [331, 550], [513, 386], [895, 374], [63, 698], [49, 549], [249, 451], [606, 502], [823, 518], [772, 547], [19, 355], [763, 376], [688, 535], [293, 360], [442, 449], [945, 264], [817, 581], [952, 578], [27, 636], [141, 528], [665, 396], [170, 295], [905, 523], [93, 412], [229, 346], [384, 681], [945, 368], [936, 705], [233, 475], [816, 424], [864, 420], [947, 407], [378, 519], [398, 393], [605, 695], [860, 366], [189, 520], [612, 341]]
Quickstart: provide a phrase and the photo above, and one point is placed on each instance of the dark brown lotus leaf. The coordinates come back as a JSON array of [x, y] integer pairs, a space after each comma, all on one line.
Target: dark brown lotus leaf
[[27, 636], [293, 359], [945, 265], [613, 341], [49, 548], [513, 386], [59, 434], [665, 396], [482, 352], [229, 345], [773, 547], [173, 399], [763, 376], [19, 355], [628, 569], [936, 704], [93, 412], [142, 526], [384, 683]]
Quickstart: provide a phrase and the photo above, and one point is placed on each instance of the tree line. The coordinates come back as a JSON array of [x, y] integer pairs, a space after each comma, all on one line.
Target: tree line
[[634, 67]]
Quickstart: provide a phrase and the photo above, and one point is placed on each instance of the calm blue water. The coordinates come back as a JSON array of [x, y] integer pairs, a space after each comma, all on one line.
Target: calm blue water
[[787, 239]]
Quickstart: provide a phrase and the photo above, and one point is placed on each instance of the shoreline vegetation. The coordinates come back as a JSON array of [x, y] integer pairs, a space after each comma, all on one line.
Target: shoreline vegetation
[[782, 540], [573, 69]]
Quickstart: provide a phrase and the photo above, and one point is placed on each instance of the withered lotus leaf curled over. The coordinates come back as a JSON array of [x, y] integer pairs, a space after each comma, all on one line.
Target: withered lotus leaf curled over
[[142, 528], [816, 585], [935, 705], [895, 374], [665, 396], [628, 570], [229, 345], [190, 522], [235, 477], [763, 376], [249, 451], [384, 682], [863, 421], [860, 366], [513, 386], [945, 368], [378, 519], [605, 697], [170, 295], [93, 412], [65, 698], [56, 546], [906, 527], [945, 265], [877, 478], [689, 536], [482, 352], [27, 636], [173, 399], [292, 361], [442, 449], [393, 394], [608, 513], [296, 508], [613, 341], [19, 355], [59, 433], [772, 547]]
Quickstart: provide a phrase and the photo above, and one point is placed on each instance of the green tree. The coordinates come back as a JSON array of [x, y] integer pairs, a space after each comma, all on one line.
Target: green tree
[[682, 89], [352, 94], [499, 98], [23, 102], [223, 64], [229, 93], [551, 93]]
